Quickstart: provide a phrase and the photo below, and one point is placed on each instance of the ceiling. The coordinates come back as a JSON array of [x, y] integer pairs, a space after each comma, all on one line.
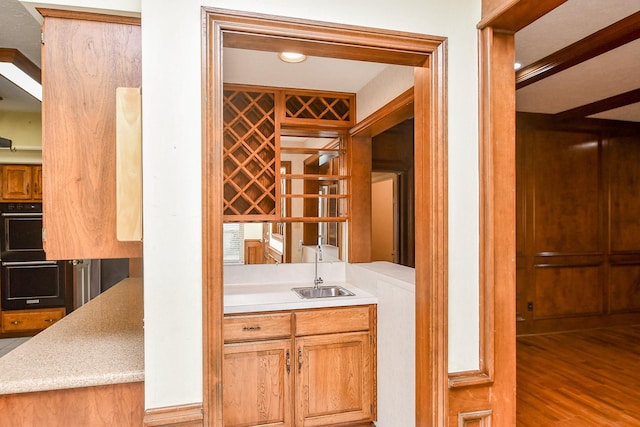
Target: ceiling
[[576, 82]]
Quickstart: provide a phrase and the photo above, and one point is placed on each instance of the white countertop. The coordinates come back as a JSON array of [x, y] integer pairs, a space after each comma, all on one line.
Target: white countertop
[[99, 343], [250, 298]]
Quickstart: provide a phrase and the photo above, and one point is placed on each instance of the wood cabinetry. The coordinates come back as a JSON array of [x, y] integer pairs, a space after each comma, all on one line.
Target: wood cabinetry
[[300, 368], [30, 320], [21, 183], [85, 58]]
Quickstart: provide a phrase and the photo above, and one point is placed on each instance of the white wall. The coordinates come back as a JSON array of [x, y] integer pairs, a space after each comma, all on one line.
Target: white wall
[[172, 107], [171, 39], [172, 202]]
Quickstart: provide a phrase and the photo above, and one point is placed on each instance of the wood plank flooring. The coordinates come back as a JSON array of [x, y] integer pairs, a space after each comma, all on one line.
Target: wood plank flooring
[[583, 378]]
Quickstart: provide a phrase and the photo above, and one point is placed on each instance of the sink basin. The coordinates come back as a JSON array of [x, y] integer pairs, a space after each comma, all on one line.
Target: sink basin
[[322, 292]]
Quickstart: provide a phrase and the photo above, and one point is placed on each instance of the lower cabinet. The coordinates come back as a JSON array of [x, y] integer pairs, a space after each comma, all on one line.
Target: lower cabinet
[[257, 384], [320, 379], [30, 320]]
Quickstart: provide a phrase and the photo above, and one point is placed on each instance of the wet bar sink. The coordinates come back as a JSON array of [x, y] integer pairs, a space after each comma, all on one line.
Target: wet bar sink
[[322, 292]]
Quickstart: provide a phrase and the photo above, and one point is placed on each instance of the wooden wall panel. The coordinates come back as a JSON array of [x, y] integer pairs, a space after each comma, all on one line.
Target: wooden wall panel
[[567, 291], [624, 291], [624, 179], [578, 224], [103, 406], [566, 191]]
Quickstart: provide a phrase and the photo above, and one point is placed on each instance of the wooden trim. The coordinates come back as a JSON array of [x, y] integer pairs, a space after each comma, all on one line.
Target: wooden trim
[[212, 222], [493, 385], [174, 416], [615, 35], [246, 30], [514, 15], [497, 221], [475, 418], [616, 101], [346, 42], [431, 241], [397, 111], [359, 161], [88, 16], [550, 121]]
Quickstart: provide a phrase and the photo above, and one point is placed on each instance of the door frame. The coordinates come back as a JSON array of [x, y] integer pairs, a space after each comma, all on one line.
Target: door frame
[[428, 55]]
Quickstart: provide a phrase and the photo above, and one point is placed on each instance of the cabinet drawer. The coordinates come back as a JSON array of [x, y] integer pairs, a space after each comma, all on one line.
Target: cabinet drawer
[[347, 319], [257, 327], [30, 320]]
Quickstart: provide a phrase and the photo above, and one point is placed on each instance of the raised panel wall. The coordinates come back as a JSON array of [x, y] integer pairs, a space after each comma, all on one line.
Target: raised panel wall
[[578, 224], [566, 190]]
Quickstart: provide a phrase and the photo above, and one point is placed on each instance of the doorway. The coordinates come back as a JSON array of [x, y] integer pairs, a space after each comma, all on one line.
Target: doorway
[[384, 217], [427, 55], [392, 153]]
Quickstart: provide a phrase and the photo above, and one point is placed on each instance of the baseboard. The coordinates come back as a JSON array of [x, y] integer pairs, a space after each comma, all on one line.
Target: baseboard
[[175, 416]]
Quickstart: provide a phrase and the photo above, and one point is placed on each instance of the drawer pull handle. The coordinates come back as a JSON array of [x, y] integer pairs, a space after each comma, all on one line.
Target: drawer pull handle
[[288, 362], [251, 328], [15, 322], [299, 360], [49, 320]]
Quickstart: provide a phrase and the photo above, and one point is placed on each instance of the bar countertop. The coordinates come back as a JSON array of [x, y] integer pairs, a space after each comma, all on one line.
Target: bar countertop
[[100, 343]]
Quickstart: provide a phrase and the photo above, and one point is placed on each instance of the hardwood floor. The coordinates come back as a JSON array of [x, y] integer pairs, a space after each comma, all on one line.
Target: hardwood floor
[[583, 378]]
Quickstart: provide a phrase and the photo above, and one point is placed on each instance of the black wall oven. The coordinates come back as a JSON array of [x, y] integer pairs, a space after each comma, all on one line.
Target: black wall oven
[[27, 279]]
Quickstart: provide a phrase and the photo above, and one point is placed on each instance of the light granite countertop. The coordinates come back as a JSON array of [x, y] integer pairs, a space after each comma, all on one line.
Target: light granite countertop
[[100, 343], [252, 298]]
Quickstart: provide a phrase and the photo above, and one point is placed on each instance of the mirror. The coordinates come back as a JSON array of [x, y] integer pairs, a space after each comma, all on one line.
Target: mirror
[[312, 188], [261, 243]]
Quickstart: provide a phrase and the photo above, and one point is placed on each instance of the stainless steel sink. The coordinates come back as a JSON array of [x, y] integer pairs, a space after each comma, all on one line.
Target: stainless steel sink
[[322, 292]]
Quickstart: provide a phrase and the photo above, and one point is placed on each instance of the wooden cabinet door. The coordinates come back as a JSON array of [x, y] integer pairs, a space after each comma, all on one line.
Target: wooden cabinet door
[[83, 62], [16, 182], [257, 384], [334, 381], [36, 193]]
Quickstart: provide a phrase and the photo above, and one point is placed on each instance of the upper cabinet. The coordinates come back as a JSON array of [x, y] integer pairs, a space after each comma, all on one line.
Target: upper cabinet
[[21, 183], [85, 58], [285, 148]]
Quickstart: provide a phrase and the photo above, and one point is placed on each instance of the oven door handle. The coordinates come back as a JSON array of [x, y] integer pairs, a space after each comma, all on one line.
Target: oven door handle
[[21, 214], [27, 263]]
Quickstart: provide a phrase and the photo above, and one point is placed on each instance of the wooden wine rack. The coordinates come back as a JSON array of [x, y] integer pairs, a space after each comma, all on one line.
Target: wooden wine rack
[[253, 117], [316, 108], [249, 158]]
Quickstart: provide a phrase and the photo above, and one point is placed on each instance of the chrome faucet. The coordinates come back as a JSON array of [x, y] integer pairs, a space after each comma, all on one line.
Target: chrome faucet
[[318, 280]]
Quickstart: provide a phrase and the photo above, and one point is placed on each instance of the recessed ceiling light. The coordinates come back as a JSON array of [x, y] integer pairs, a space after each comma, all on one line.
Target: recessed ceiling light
[[517, 66], [292, 57]]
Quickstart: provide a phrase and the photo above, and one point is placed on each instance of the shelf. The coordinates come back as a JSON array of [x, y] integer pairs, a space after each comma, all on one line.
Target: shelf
[[314, 177]]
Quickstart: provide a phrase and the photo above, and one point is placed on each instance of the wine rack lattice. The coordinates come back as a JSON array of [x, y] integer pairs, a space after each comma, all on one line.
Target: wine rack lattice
[[249, 158], [320, 107]]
